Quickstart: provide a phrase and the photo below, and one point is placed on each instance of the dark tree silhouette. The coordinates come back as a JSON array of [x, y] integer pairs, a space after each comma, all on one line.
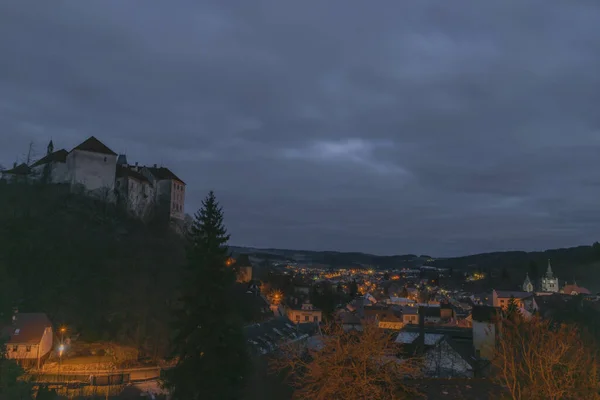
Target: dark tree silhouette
[[209, 342]]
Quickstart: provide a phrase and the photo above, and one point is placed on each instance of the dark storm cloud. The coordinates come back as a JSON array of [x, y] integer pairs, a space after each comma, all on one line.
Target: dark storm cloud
[[409, 126]]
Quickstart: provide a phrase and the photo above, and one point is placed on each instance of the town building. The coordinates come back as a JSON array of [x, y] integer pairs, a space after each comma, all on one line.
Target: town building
[[574, 289], [549, 283], [304, 314], [527, 285], [28, 339], [486, 325], [523, 300]]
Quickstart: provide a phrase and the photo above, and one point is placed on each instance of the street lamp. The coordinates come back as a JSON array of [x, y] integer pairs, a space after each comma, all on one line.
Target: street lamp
[[61, 349]]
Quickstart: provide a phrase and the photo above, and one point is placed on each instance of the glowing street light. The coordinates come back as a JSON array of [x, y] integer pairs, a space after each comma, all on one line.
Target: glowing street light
[[61, 349]]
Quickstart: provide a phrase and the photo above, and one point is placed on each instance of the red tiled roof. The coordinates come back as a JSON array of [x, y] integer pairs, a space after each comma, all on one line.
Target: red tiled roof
[[57, 156], [93, 145], [568, 289], [27, 329]]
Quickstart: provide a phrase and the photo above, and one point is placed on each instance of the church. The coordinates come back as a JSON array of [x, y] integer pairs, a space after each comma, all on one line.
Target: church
[[548, 283]]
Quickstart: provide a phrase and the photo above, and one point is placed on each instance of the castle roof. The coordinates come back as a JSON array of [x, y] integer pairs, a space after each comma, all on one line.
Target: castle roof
[[93, 145], [125, 172], [59, 156], [21, 169], [162, 173]]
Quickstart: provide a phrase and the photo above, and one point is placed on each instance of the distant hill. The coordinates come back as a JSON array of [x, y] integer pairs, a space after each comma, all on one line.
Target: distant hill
[[581, 263]]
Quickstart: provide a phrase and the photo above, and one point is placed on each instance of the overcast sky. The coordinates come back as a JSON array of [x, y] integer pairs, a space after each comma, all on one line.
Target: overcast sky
[[437, 127]]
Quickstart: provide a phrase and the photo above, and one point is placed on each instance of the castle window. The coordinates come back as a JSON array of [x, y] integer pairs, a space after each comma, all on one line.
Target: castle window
[[28, 348]]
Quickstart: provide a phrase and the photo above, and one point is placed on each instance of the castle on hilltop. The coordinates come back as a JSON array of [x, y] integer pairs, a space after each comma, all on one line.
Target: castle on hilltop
[[96, 170]]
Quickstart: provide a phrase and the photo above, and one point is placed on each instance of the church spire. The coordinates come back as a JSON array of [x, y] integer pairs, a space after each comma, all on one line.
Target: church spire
[[50, 149], [527, 285], [549, 273]]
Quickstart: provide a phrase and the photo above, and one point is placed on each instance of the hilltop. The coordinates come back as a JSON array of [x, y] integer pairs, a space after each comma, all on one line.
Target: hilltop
[[87, 264]]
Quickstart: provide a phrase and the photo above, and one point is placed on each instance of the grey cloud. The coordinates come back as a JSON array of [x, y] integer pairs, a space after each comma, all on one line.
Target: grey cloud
[[474, 124]]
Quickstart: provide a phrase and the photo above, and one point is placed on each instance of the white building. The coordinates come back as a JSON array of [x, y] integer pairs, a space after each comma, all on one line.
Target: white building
[[29, 338], [486, 326], [527, 285], [93, 168], [169, 189], [549, 283], [52, 168], [133, 189]]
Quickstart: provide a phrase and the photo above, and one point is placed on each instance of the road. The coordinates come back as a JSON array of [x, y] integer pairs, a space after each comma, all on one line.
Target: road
[[135, 375]]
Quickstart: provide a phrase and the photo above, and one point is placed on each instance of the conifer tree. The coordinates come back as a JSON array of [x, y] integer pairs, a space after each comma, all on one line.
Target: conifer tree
[[209, 341]]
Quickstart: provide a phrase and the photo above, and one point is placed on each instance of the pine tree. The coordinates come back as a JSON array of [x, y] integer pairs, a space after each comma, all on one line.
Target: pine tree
[[209, 341]]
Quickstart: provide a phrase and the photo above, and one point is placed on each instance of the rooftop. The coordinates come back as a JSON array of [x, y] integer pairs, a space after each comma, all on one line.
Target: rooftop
[[21, 169], [266, 337], [506, 294], [123, 171], [162, 173], [58, 156], [28, 328], [93, 145]]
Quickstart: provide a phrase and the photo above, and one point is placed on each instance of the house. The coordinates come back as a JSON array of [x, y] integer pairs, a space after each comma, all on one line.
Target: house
[[524, 300], [574, 290], [433, 315], [92, 166], [400, 301], [304, 314], [169, 190], [385, 317], [486, 324], [444, 356], [268, 336], [349, 320], [446, 311], [410, 315], [29, 339]]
